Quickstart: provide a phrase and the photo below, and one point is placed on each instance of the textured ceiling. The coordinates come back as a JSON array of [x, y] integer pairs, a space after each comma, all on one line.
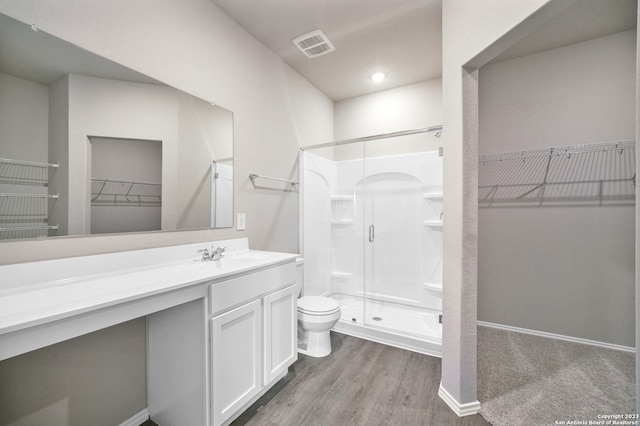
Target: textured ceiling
[[43, 58], [402, 38], [583, 20]]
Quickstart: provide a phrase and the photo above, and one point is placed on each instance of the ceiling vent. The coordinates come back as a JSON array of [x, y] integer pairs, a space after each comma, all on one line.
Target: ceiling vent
[[314, 44]]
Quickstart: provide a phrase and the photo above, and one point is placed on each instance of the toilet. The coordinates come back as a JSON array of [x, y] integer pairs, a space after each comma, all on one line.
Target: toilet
[[316, 316]]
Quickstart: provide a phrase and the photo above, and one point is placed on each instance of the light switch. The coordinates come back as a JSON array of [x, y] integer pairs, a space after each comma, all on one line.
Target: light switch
[[241, 222]]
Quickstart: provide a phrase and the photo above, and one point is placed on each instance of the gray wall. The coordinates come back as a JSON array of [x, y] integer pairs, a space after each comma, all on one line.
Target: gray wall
[[472, 31], [23, 139], [59, 153], [126, 160], [24, 109], [562, 270], [275, 111], [637, 258], [96, 379], [112, 108]]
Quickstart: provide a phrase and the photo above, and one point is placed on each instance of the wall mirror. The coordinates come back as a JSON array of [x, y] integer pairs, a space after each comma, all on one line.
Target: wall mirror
[[88, 146]]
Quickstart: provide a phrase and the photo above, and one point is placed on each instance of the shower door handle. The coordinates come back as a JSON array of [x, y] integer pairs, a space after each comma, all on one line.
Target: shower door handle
[[372, 233]]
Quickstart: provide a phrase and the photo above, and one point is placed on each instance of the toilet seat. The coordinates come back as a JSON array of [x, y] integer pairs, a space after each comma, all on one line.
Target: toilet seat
[[317, 306]]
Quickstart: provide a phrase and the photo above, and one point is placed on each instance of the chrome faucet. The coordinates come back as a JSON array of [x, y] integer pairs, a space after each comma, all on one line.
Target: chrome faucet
[[218, 253], [205, 255]]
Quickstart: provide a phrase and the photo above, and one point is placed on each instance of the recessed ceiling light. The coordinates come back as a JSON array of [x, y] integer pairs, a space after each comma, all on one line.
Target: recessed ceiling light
[[378, 77]]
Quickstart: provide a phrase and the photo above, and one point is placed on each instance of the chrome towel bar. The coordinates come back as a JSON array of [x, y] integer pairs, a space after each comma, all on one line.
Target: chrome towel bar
[[254, 176]]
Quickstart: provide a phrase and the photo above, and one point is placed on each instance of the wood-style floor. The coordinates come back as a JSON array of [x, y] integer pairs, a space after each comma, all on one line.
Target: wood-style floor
[[360, 383]]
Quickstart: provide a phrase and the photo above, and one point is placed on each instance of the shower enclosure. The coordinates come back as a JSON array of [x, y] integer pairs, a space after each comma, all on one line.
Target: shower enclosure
[[371, 214]]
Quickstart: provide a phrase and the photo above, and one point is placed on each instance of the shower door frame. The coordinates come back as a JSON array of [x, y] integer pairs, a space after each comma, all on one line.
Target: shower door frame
[[404, 264], [366, 329]]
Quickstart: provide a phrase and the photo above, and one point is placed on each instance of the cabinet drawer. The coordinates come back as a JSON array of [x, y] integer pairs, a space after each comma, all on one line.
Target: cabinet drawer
[[235, 291]]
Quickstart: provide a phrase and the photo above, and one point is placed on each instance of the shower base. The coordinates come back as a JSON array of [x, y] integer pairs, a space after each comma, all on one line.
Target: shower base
[[392, 324]]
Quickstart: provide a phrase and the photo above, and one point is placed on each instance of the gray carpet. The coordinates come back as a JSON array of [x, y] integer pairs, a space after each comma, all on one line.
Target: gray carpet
[[531, 380]]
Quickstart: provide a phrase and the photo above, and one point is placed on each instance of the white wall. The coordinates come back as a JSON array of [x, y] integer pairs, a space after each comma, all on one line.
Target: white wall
[[404, 108], [195, 47], [275, 110], [562, 270], [410, 107]]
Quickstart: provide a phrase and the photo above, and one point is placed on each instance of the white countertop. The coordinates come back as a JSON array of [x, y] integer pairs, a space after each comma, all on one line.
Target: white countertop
[[28, 302]]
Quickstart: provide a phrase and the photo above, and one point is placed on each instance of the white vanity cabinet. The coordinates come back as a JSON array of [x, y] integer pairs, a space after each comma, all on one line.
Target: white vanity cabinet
[[253, 330], [236, 355], [280, 333], [219, 333]]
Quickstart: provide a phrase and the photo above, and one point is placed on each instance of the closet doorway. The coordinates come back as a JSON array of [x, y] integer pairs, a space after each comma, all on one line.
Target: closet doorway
[[126, 185]]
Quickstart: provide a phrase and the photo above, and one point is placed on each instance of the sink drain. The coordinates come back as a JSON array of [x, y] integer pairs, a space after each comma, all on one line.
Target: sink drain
[[377, 318]]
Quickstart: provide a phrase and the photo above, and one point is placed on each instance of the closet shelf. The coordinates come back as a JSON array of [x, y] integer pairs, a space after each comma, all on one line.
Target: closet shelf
[[28, 163], [28, 228], [111, 192], [588, 174], [22, 172], [19, 195], [25, 214]]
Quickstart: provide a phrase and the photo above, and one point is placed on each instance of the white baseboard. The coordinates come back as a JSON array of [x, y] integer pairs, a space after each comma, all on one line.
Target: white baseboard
[[137, 419], [558, 336], [468, 409]]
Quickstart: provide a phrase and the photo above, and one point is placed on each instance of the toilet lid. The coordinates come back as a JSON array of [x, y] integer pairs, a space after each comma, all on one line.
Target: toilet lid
[[317, 304]]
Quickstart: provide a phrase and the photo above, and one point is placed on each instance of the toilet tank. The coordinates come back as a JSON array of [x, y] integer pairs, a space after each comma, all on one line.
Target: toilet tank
[[299, 276]]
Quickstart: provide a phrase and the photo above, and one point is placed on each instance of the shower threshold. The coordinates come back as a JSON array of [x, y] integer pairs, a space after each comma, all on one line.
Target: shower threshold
[[392, 324]]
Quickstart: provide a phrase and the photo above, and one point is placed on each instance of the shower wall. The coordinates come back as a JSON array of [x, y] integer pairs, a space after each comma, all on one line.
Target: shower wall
[[317, 180], [402, 196]]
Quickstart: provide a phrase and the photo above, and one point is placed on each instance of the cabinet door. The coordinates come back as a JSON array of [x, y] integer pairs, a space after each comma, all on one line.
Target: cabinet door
[[236, 357], [280, 332]]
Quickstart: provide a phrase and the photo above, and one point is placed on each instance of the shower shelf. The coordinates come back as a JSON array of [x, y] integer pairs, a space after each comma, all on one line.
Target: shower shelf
[[339, 274], [342, 198], [432, 223], [432, 195], [342, 222], [433, 286]]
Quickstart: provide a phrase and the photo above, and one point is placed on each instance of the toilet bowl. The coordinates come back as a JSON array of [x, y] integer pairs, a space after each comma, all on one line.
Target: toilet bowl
[[316, 316]]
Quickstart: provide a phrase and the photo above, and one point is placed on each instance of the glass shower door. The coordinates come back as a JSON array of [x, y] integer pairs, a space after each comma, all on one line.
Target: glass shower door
[[347, 238], [401, 254]]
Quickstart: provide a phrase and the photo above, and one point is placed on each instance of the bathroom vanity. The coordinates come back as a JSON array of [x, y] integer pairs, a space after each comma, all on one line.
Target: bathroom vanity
[[220, 332]]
